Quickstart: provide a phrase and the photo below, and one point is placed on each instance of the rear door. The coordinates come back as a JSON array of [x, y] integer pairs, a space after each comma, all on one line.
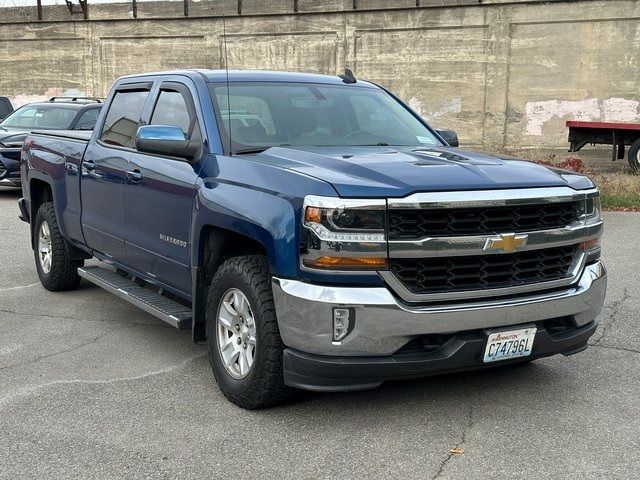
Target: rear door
[[160, 193], [104, 169]]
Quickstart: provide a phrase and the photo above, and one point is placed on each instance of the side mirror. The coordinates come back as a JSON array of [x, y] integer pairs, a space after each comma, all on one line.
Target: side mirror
[[165, 140], [450, 137]]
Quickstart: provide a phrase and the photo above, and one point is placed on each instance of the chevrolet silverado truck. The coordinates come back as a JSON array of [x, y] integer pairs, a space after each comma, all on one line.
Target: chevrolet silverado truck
[[313, 231]]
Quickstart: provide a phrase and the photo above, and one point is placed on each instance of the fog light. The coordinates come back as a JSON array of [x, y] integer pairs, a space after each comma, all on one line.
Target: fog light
[[342, 323], [591, 248]]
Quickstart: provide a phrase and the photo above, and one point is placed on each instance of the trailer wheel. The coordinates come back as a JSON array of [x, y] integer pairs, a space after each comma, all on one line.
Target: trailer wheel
[[634, 155]]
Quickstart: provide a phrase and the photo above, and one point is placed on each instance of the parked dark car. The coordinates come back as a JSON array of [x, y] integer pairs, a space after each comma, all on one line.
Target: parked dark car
[[59, 113], [5, 107]]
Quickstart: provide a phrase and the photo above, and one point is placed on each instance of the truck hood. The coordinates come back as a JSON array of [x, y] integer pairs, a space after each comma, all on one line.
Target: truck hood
[[400, 171]]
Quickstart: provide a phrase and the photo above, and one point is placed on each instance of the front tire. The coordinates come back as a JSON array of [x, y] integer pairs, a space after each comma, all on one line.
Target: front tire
[[245, 348], [55, 268]]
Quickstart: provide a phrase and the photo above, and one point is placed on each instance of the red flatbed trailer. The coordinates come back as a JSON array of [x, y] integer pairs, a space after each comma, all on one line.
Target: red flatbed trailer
[[615, 134]]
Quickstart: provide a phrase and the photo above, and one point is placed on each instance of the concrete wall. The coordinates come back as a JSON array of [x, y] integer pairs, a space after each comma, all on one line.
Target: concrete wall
[[503, 74]]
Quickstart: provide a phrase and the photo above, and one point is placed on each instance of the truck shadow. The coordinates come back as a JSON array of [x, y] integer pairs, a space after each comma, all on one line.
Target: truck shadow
[[8, 193], [463, 386]]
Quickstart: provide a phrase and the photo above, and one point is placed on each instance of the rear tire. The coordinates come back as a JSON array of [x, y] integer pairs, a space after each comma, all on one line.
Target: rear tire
[[243, 339], [634, 156], [55, 268]]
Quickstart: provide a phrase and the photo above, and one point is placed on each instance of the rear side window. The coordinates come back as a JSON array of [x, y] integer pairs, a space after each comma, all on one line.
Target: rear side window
[[88, 119], [123, 117]]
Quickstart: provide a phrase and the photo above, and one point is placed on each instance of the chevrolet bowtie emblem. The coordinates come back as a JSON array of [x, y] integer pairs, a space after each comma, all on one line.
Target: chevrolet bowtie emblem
[[507, 243]]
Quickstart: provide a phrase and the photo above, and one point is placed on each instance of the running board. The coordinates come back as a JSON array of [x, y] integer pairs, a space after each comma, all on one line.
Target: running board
[[165, 309]]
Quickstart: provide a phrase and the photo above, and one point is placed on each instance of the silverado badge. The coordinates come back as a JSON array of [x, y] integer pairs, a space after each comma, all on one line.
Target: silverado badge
[[507, 243]]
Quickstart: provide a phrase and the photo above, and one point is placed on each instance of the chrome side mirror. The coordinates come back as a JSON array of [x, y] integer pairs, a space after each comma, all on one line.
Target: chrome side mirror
[[166, 140]]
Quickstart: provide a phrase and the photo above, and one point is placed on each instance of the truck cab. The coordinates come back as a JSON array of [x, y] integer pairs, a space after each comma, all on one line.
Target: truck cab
[[313, 231]]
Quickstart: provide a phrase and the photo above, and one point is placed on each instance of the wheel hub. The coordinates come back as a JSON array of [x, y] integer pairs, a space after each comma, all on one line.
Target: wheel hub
[[45, 254], [236, 333]]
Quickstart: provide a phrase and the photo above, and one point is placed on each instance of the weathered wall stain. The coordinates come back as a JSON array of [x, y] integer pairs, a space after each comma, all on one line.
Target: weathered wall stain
[[609, 110], [539, 113], [22, 99]]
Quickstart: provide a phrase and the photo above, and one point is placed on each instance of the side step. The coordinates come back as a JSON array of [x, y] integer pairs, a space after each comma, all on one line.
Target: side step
[[165, 309]]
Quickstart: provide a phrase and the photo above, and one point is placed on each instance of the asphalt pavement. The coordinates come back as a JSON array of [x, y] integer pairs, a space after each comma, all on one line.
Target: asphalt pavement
[[92, 387]]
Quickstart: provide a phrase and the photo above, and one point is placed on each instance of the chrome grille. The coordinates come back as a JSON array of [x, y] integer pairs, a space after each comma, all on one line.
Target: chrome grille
[[481, 272], [415, 224], [3, 169]]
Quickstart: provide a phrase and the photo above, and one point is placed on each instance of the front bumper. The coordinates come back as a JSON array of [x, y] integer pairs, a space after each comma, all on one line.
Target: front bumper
[[463, 352], [384, 324], [9, 170]]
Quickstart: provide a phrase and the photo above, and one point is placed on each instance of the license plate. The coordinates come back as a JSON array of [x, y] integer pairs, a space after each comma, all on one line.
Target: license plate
[[509, 344]]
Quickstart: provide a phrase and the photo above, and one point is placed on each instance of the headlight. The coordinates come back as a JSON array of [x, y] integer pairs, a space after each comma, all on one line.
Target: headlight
[[343, 234], [591, 215]]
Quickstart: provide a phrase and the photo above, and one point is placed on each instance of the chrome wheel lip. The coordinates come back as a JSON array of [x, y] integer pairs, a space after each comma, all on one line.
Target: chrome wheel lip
[[236, 333], [45, 252]]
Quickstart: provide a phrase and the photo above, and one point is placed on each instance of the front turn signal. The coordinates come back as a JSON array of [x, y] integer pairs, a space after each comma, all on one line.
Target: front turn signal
[[346, 263]]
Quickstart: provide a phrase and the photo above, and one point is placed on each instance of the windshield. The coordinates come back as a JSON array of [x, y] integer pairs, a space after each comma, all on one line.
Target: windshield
[[40, 116], [262, 115]]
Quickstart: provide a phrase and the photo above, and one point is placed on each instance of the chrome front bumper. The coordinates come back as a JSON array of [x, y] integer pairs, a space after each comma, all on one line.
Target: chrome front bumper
[[383, 323]]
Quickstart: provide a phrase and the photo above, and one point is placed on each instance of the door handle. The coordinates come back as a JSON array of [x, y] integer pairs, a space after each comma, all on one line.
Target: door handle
[[135, 176], [72, 168], [89, 165]]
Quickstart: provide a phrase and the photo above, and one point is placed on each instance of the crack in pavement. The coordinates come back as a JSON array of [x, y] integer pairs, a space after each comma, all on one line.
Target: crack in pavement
[[78, 347], [61, 352], [18, 287], [615, 308], [101, 320], [45, 315], [611, 347], [31, 390], [462, 441]]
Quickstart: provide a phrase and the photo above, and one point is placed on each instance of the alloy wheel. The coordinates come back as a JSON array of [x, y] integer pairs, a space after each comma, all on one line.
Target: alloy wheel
[[236, 333]]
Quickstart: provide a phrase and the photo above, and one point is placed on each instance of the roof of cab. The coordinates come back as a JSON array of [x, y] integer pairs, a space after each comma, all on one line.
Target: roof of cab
[[220, 76]]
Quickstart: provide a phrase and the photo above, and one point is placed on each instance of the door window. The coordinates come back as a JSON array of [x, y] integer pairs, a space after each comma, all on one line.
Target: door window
[[123, 118], [173, 109]]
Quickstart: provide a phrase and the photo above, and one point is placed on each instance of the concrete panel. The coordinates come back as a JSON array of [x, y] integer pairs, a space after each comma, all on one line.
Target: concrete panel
[[26, 81], [286, 51], [440, 72], [127, 55], [590, 73]]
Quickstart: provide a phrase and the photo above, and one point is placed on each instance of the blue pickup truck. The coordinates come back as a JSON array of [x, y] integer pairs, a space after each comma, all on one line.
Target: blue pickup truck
[[313, 231]]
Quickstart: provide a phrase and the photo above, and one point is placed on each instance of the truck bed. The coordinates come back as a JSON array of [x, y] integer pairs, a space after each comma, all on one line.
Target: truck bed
[[81, 135], [56, 157]]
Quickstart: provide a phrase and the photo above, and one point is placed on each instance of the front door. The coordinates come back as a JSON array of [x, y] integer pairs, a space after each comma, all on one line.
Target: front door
[[159, 197], [104, 168]]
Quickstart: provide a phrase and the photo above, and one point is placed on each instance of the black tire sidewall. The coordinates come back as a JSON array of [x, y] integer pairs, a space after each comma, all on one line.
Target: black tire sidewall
[[63, 273], [41, 217]]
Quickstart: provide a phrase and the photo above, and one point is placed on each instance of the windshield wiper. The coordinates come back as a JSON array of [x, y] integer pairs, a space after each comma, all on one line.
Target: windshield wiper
[[379, 144], [251, 150]]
